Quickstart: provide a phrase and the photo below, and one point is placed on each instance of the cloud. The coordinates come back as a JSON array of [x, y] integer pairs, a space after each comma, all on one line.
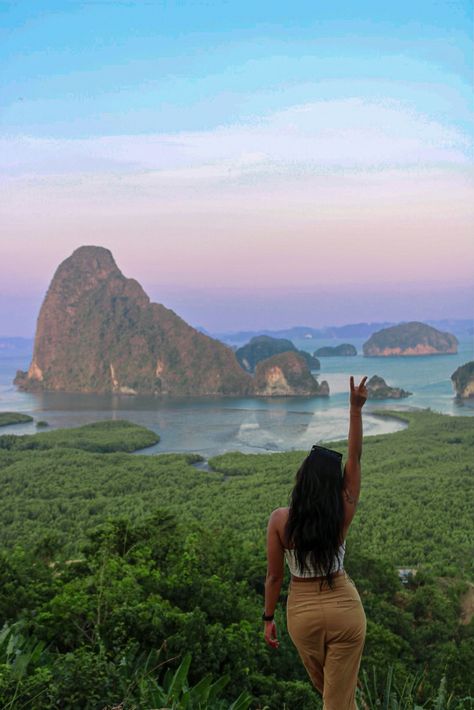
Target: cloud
[[373, 188], [316, 138]]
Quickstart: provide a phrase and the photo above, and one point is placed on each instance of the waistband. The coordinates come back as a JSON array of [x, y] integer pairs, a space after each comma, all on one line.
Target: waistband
[[307, 580], [339, 581]]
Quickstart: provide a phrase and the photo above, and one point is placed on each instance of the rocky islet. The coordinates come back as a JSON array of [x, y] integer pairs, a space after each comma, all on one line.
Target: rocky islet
[[343, 350], [410, 340], [377, 388], [263, 346], [463, 380], [99, 332]]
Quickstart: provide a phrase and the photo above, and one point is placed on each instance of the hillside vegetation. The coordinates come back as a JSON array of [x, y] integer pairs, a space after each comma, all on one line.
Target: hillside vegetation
[[101, 437], [110, 559]]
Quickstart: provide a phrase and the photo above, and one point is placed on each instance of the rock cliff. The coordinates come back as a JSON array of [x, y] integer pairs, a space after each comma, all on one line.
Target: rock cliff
[[377, 388], [410, 339], [287, 374], [463, 380], [98, 331]]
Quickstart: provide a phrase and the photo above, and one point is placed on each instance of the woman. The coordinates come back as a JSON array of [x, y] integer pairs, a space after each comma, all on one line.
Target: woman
[[326, 620]]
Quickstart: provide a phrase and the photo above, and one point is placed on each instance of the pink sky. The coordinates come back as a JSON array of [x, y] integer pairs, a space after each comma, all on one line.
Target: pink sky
[[252, 168], [316, 197]]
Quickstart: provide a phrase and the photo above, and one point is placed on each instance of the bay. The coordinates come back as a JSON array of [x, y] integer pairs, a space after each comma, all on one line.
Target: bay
[[215, 425]]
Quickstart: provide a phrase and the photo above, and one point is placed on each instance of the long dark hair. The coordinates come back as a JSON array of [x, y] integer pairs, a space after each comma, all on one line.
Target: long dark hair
[[316, 514]]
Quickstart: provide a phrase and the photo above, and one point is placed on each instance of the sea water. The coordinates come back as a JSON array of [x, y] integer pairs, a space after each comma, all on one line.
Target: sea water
[[215, 425]]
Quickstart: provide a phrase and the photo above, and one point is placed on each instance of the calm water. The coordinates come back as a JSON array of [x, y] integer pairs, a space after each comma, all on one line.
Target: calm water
[[215, 425]]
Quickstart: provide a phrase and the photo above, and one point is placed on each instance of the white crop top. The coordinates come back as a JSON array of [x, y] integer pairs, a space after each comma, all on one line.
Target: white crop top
[[337, 565]]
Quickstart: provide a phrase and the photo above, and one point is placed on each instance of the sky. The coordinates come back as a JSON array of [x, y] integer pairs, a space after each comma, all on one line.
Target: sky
[[252, 165]]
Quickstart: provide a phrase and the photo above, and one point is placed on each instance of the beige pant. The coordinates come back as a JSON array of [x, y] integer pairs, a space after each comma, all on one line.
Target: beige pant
[[328, 627]]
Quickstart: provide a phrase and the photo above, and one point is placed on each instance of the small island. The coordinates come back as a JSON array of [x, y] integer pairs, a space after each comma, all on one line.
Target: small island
[[108, 436], [287, 375], [99, 332], [344, 350], [377, 388], [7, 418], [463, 380], [264, 346], [408, 340]]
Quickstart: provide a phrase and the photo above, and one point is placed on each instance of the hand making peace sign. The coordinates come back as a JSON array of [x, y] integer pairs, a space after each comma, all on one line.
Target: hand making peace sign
[[359, 393]]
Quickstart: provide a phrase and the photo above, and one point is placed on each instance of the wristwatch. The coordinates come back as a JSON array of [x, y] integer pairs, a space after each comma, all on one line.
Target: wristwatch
[[267, 617]]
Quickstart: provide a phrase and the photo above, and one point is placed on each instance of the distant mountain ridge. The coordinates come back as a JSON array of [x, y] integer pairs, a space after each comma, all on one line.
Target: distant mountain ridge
[[299, 332], [16, 345], [458, 326]]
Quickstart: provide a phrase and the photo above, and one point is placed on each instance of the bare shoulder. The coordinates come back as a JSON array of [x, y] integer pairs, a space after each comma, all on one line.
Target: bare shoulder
[[278, 515], [278, 520]]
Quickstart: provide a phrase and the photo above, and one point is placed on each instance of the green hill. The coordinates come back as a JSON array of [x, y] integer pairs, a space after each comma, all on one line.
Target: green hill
[[113, 563]]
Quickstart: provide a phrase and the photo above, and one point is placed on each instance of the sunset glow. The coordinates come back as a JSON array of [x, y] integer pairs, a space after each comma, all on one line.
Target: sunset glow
[[277, 164]]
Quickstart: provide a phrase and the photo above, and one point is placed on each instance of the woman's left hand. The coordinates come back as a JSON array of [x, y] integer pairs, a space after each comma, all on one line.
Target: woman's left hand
[[271, 634]]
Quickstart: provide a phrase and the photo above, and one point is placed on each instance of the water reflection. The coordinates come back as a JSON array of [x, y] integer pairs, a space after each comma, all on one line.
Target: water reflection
[[216, 424]]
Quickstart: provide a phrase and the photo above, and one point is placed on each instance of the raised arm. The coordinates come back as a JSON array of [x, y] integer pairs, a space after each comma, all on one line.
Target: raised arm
[[352, 469]]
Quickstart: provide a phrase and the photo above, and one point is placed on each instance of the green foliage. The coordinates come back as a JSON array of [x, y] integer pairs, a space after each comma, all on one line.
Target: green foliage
[[103, 628], [65, 492], [412, 507], [388, 695], [177, 694], [135, 590], [22, 672], [116, 566], [14, 418], [81, 679]]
